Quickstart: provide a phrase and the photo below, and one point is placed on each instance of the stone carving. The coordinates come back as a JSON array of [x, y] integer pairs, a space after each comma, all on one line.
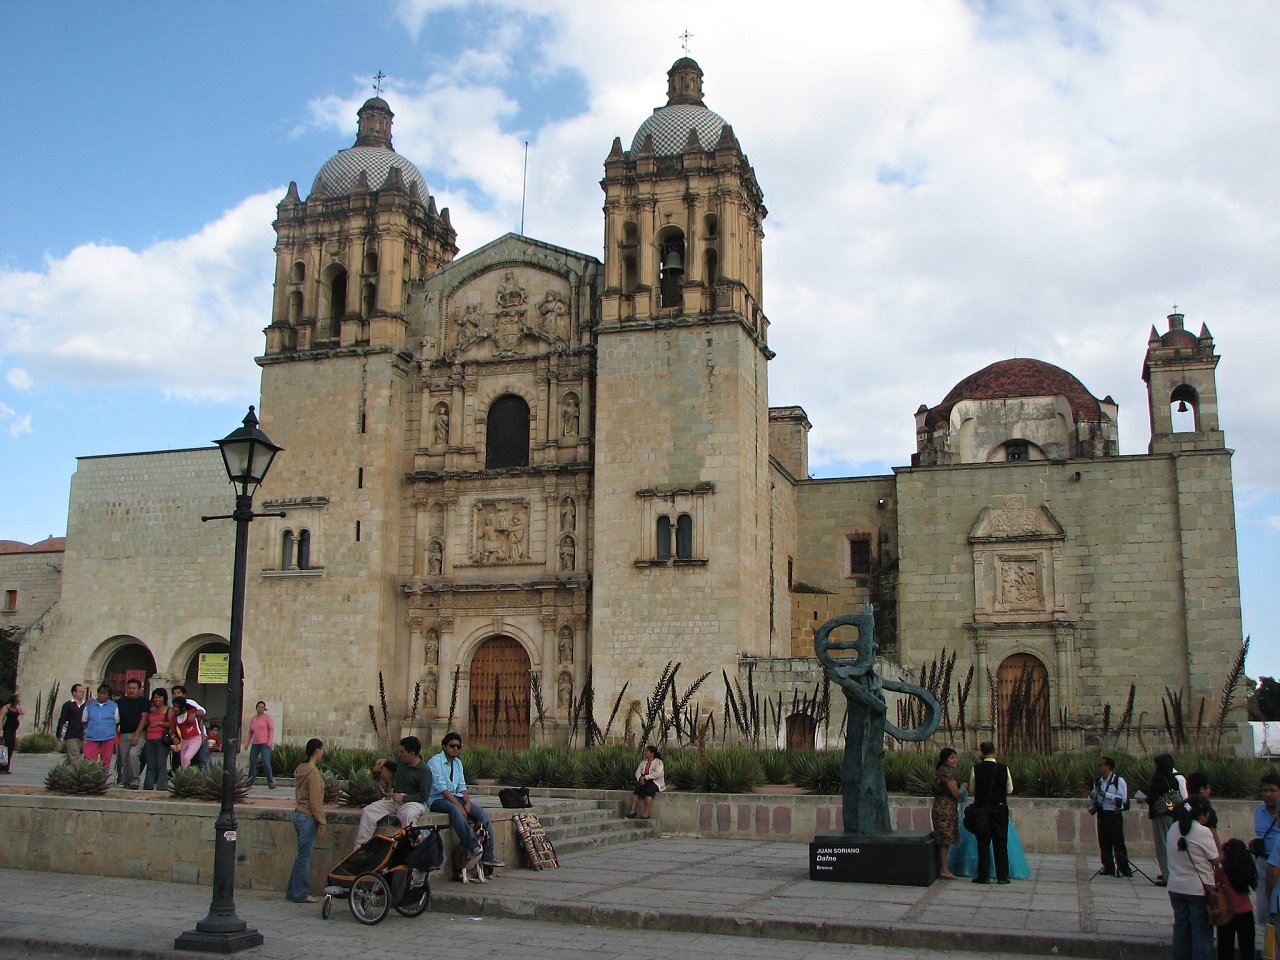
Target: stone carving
[[1014, 523], [429, 689], [568, 515], [569, 415], [435, 559], [1020, 583], [566, 645], [500, 531], [510, 293], [555, 315], [442, 425], [432, 647], [568, 553], [866, 801], [564, 691]]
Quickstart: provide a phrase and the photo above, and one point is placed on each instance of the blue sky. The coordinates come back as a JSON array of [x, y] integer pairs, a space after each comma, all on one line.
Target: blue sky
[[949, 184]]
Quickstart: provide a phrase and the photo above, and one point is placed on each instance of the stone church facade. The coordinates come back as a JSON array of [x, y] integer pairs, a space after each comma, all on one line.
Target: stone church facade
[[524, 472]]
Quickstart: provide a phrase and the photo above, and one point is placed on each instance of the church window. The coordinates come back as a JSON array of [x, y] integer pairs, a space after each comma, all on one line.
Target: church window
[[671, 268], [684, 537], [367, 300], [1017, 450], [360, 478], [628, 274], [1184, 410], [11, 600], [297, 272], [711, 272], [357, 531], [286, 550], [663, 552], [304, 549], [630, 239], [336, 299], [507, 433], [859, 555], [710, 225], [295, 308], [370, 262]]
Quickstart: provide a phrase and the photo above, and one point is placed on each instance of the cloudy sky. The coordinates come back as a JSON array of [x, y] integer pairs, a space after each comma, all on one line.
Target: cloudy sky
[[949, 184]]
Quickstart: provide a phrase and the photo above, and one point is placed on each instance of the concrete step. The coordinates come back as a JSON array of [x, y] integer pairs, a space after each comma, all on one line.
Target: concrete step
[[604, 838], [583, 828]]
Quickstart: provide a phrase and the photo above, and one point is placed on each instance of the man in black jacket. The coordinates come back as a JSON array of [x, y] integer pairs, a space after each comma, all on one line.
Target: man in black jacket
[[71, 724], [989, 785]]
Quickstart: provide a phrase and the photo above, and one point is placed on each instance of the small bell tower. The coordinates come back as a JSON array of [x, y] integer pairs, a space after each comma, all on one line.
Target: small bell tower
[[1182, 390]]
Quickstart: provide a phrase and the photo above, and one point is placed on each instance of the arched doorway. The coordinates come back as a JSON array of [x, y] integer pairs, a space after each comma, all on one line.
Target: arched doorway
[[211, 696], [499, 692], [1022, 684], [801, 728], [133, 661]]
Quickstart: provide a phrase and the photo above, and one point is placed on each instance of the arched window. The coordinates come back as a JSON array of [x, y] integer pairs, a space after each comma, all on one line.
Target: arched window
[[630, 239], [1184, 410], [295, 307], [370, 262], [507, 433], [367, 300], [664, 539], [286, 550], [684, 537], [297, 272], [671, 268], [711, 267], [628, 274], [304, 549], [335, 305]]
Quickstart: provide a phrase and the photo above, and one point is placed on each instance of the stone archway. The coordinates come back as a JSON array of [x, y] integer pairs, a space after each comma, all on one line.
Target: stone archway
[[211, 696], [1022, 684], [498, 714], [802, 730], [131, 661]]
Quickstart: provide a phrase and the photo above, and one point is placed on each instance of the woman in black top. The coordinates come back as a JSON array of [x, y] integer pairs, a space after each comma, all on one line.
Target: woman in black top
[[1168, 788]]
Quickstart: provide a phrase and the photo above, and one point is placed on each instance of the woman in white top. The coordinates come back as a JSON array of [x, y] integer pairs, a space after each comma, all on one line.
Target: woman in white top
[[649, 781], [1192, 855]]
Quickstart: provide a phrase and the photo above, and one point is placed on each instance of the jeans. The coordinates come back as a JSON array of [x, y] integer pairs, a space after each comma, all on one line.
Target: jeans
[[130, 761], [300, 879], [157, 753], [1192, 933], [263, 751], [461, 828]]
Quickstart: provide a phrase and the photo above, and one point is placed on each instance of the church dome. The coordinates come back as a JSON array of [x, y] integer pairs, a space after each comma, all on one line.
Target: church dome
[[1021, 377], [372, 156], [669, 126]]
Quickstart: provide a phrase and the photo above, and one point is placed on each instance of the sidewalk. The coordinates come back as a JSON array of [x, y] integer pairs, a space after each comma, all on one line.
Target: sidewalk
[[734, 892]]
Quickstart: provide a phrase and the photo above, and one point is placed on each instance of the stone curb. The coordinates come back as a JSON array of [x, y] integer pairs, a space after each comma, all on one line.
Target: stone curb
[[821, 931], [59, 947]]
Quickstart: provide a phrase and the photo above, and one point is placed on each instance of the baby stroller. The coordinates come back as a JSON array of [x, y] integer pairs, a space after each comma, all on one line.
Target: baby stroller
[[388, 871]]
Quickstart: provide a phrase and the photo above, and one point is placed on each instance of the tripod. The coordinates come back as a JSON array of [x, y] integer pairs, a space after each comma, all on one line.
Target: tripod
[[1134, 868]]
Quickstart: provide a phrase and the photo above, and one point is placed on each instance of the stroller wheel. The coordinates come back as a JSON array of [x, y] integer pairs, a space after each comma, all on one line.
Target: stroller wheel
[[370, 898], [416, 901], [326, 906]]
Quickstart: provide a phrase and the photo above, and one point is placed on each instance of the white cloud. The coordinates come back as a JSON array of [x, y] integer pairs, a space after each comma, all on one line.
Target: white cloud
[[19, 379], [1272, 523], [184, 316], [17, 424]]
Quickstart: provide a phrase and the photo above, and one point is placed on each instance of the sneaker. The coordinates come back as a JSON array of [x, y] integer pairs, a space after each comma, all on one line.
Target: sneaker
[[492, 863], [271, 786], [306, 899]]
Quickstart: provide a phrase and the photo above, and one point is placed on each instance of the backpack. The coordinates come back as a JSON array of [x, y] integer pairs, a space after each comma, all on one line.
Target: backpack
[[428, 853], [514, 797]]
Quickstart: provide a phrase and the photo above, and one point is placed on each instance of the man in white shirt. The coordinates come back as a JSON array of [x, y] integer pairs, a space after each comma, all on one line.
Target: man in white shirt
[[1108, 800]]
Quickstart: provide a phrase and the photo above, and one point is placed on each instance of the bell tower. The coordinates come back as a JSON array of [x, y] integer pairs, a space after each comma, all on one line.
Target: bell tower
[[1182, 391], [681, 562]]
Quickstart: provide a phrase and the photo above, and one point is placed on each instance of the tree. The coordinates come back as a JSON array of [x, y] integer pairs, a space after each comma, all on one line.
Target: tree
[[1264, 703], [9, 658]]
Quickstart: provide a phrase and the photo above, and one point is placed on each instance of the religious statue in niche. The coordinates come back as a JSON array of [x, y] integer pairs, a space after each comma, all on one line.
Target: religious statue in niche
[[565, 648], [432, 646], [500, 531], [429, 689], [569, 415], [555, 315], [442, 425], [435, 559], [568, 553], [568, 515], [564, 692], [866, 801]]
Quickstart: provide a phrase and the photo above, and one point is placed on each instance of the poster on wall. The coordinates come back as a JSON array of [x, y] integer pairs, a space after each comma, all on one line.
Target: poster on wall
[[213, 668]]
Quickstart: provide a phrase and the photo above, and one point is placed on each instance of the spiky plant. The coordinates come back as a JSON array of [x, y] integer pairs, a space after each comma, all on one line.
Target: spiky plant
[[1228, 694], [84, 778], [453, 695], [196, 784], [360, 790]]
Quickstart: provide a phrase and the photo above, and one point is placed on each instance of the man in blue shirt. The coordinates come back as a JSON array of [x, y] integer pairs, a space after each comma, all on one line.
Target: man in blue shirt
[[449, 795], [1266, 845], [1110, 798]]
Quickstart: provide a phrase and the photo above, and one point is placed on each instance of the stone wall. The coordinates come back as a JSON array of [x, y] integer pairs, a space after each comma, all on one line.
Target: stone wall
[[34, 575]]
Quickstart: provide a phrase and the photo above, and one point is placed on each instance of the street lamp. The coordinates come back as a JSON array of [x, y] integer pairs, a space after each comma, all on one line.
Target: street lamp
[[247, 455]]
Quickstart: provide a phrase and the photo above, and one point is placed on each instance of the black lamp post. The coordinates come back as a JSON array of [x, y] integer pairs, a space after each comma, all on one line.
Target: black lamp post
[[247, 454]]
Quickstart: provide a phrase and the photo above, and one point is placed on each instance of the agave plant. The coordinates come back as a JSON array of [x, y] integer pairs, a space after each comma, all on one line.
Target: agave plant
[[359, 790], [540, 767], [818, 771], [196, 784], [612, 768], [85, 777], [776, 766]]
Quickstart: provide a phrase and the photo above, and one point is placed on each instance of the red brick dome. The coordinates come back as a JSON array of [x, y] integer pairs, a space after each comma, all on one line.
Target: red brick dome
[[1019, 378]]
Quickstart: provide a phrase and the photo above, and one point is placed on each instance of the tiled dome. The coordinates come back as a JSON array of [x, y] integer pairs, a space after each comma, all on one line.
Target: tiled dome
[[1021, 377], [338, 176], [670, 126]]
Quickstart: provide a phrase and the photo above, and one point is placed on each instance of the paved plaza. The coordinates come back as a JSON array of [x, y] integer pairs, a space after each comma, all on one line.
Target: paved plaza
[[671, 896]]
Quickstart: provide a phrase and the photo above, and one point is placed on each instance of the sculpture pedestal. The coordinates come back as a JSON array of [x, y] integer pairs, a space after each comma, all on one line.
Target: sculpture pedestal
[[905, 858]]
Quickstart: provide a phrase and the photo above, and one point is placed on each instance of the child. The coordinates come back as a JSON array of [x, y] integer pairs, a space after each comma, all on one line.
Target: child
[[1237, 876]]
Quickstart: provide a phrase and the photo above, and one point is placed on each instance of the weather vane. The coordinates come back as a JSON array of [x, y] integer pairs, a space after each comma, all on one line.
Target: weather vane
[[377, 82], [684, 40]]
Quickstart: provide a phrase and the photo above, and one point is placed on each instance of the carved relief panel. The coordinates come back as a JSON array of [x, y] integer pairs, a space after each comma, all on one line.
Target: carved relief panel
[[508, 312], [1017, 563], [500, 531]]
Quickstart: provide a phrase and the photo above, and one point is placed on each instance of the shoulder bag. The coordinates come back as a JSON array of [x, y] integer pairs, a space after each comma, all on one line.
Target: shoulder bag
[[1215, 898]]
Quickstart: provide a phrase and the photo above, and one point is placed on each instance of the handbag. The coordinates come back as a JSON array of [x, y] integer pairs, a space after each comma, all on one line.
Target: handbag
[[977, 820], [1219, 909], [4, 755]]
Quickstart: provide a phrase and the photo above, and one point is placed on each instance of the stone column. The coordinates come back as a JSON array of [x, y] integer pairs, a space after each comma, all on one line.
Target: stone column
[[982, 710]]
